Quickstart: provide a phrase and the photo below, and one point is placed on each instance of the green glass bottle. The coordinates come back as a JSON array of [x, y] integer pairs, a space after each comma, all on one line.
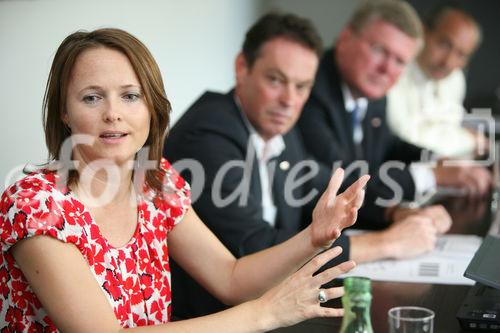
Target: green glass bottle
[[356, 302]]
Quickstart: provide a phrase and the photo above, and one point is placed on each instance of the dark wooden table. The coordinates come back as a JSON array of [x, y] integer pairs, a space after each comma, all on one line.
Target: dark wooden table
[[469, 217]]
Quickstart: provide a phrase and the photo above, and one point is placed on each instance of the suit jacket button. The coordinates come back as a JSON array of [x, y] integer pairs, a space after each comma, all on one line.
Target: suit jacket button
[[376, 122], [284, 165]]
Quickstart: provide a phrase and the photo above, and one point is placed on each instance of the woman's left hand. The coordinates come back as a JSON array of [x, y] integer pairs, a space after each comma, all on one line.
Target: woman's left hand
[[335, 212]]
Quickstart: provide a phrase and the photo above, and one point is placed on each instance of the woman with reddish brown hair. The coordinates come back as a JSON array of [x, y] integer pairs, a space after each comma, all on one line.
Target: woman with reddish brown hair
[[86, 240]]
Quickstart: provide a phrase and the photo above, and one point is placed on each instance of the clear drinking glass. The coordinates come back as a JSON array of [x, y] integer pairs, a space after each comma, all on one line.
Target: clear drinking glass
[[411, 319]]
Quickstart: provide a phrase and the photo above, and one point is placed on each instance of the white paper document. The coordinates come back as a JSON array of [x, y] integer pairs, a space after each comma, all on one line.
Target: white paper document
[[446, 264]]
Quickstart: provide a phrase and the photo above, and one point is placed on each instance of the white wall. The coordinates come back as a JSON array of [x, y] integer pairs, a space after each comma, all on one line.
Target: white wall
[[194, 42]]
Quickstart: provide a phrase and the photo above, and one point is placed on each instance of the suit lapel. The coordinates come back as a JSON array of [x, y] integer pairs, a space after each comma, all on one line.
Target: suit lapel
[[373, 122], [242, 133], [278, 186], [328, 89], [288, 216]]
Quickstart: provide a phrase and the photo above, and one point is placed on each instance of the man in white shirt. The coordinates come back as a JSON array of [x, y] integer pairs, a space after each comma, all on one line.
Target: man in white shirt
[[425, 106]]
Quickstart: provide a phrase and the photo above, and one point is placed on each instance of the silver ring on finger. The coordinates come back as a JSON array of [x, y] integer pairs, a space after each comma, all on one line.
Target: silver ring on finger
[[322, 296]]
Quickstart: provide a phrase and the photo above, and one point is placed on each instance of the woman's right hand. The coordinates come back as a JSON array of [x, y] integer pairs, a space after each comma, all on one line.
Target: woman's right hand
[[296, 298]]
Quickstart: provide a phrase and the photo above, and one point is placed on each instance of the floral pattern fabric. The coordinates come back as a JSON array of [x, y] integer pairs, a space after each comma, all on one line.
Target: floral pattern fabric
[[134, 277]]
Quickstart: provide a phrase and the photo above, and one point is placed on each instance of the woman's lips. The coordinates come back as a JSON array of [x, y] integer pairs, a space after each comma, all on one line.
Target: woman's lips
[[113, 137]]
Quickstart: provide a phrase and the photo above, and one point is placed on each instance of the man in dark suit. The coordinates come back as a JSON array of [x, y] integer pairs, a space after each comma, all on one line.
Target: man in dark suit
[[257, 184], [344, 119]]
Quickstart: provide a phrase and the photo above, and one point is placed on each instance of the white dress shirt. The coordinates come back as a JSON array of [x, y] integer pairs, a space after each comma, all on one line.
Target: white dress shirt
[[265, 151], [429, 113]]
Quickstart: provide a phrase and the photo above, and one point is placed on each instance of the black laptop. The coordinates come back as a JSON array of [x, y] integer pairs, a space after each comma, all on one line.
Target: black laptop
[[480, 311]]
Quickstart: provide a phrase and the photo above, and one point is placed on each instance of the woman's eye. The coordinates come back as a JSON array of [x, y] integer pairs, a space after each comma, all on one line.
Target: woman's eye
[[131, 97], [91, 99]]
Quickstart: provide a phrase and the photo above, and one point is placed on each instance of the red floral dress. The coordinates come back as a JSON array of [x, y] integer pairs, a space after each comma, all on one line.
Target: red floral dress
[[134, 277]]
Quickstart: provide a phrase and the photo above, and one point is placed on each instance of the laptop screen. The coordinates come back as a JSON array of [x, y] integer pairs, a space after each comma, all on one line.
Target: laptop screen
[[484, 266]]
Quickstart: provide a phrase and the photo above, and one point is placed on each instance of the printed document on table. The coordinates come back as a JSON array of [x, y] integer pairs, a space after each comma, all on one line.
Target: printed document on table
[[446, 264]]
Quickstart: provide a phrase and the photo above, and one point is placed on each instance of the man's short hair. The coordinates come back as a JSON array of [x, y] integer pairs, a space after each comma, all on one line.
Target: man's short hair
[[398, 13], [431, 20], [279, 25]]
